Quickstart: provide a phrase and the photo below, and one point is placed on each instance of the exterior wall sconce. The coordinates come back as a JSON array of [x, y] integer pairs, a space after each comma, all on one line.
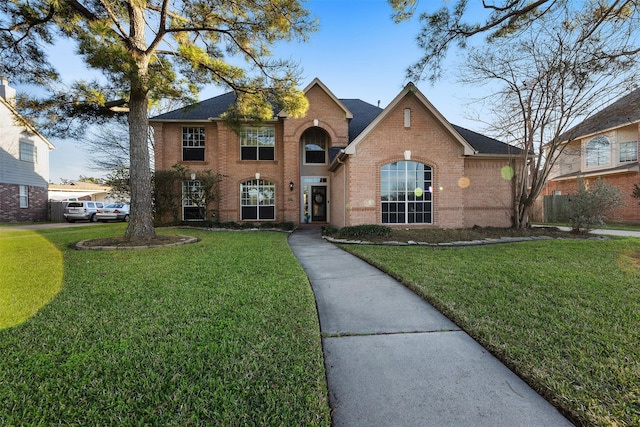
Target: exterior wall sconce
[[193, 176], [257, 175], [407, 154], [290, 185]]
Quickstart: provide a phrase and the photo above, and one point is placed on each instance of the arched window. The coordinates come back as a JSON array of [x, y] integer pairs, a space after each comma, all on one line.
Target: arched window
[[405, 193], [315, 146], [598, 152], [258, 200]]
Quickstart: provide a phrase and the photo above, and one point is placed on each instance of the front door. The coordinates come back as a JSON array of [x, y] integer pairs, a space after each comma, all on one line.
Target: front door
[[319, 203]]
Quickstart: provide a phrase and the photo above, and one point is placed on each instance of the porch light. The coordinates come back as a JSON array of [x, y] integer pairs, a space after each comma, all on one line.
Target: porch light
[[407, 154], [257, 175], [290, 185]]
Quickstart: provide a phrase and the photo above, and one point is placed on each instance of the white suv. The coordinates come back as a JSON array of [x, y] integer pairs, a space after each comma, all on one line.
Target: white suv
[[78, 211]]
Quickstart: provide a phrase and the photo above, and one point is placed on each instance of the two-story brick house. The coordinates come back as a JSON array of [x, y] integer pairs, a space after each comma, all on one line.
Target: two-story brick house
[[603, 146], [345, 163], [24, 164]]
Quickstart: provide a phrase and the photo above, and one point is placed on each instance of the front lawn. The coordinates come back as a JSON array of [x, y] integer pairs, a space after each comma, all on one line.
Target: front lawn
[[221, 332], [563, 314]]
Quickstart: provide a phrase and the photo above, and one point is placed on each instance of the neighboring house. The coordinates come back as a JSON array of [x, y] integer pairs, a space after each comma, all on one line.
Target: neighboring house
[[79, 190], [604, 145], [24, 164], [345, 163]]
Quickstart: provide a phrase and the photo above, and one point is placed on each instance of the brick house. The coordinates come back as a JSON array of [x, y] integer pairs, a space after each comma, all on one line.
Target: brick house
[[24, 164], [345, 163], [606, 146]]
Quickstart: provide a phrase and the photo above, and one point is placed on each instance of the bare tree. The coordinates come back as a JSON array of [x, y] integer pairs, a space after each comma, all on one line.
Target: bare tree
[[548, 78], [455, 23]]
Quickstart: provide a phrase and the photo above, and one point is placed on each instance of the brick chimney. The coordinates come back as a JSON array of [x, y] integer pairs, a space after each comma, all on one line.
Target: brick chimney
[[7, 92]]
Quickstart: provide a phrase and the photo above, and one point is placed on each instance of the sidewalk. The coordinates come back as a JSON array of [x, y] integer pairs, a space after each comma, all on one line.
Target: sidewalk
[[393, 360]]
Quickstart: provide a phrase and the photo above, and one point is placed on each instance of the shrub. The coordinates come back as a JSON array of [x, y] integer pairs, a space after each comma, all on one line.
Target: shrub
[[588, 207], [363, 231]]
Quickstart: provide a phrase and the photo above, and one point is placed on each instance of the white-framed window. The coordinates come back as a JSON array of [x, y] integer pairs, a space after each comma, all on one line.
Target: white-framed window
[[193, 201], [628, 151], [257, 143], [28, 152], [257, 200], [24, 196], [315, 146], [193, 139], [598, 152], [406, 193]]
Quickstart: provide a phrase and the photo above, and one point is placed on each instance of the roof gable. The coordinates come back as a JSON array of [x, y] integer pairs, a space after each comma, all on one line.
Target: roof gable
[[410, 89], [28, 126], [624, 111]]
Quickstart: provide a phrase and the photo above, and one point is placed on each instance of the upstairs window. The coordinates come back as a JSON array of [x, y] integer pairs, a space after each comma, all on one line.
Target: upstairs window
[[628, 151], [598, 152], [28, 152], [315, 146], [257, 143], [193, 144]]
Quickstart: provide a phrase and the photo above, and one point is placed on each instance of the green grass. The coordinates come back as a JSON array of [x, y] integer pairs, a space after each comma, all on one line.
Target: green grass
[[563, 314], [221, 332], [30, 275]]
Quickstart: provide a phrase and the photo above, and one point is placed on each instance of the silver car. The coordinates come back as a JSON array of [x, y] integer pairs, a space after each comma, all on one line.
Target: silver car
[[113, 212], [82, 211]]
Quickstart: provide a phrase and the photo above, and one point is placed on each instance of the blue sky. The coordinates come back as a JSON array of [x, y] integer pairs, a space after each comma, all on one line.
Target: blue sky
[[357, 52]]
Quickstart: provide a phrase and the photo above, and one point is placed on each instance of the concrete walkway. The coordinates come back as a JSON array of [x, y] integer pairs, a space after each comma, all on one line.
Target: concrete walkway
[[393, 360]]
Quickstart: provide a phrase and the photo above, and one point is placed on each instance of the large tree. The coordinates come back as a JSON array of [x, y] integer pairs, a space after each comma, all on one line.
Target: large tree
[[149, 50]]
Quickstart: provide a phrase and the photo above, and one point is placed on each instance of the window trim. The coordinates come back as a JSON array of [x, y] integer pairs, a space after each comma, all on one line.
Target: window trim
[[192, 187], [254, 141], [425, 198], [601, 140], [261, 185], [633, 151], [324, 150], [196, 142], [28, 155], [24, 196]]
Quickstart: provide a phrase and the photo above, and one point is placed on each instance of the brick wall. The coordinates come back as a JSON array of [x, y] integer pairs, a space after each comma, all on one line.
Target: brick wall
[[10, 210], [630, 212]]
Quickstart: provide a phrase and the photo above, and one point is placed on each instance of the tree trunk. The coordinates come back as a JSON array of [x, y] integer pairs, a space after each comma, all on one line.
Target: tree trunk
[[141, 219]]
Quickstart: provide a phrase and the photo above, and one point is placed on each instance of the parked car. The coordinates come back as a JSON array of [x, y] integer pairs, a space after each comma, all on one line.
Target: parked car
[[113, 211], [82, 211]]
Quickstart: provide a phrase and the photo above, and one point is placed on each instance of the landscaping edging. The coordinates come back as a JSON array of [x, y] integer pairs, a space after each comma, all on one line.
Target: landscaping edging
[[184, 240], [449, 244]]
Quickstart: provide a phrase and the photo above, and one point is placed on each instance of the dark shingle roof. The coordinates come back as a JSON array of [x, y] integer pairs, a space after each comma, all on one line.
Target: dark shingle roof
[[485, 145], [204, 110], [363, 114], [623, 111]]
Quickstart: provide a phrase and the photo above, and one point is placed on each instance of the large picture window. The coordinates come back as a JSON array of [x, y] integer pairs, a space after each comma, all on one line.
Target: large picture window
[[257, 143], [405, 193], [193, 144], [598, 152], [315, 146], [193, 201], [628, 151], [258, 200]]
